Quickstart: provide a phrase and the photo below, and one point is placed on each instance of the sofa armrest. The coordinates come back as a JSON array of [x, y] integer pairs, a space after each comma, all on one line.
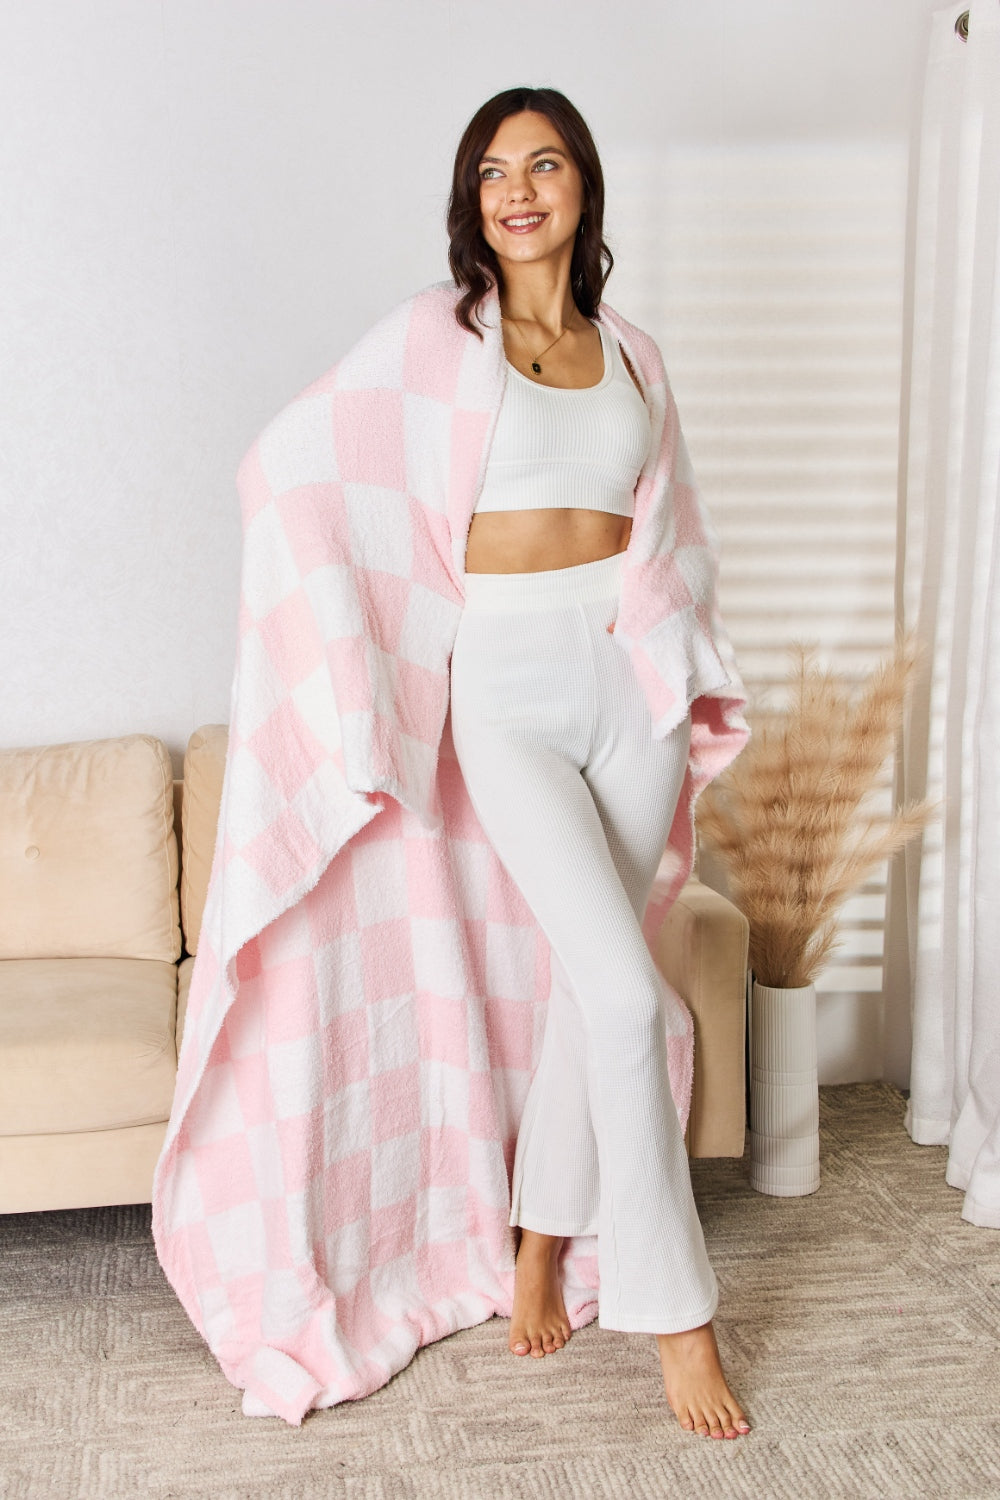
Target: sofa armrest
[[701, 950]]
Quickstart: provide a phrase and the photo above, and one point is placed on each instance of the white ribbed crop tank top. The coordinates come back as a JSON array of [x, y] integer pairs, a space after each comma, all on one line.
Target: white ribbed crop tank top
[[555, 447]]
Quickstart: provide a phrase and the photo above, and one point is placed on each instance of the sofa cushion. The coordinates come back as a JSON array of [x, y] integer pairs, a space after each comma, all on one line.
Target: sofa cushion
[[87, 1043], [204, 771], [88, 854]]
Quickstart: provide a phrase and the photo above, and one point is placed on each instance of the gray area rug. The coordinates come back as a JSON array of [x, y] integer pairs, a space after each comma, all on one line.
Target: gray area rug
[[861, 1327]]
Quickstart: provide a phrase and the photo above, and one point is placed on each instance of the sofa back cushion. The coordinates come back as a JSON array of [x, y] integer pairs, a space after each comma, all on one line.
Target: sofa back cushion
[[88, 853], [204, 769]]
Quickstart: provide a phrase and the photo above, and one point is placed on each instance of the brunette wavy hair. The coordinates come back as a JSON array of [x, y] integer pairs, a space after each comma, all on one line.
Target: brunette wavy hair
[[473, 263]]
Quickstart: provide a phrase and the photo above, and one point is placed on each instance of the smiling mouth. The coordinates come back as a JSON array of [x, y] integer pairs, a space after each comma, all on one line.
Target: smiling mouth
[[522, 223]]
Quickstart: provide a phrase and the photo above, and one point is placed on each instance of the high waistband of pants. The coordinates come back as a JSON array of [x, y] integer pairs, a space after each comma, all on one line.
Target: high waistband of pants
[[550, 588]]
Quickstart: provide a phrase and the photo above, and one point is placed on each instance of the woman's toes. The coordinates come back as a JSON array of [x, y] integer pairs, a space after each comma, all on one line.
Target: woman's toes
[[519, 1347]]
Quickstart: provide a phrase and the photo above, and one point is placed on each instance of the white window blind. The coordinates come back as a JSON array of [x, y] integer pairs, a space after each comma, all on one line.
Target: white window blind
[[772, 278]]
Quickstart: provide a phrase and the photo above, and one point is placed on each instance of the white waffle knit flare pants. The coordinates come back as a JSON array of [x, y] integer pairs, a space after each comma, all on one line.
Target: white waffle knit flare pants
[[553, 736]]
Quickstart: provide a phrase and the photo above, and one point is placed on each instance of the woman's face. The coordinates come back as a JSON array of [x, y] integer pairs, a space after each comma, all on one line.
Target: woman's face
[[530, 190]]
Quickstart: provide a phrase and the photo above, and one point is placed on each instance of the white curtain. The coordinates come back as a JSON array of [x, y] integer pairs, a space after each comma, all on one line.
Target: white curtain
[[949, 592]]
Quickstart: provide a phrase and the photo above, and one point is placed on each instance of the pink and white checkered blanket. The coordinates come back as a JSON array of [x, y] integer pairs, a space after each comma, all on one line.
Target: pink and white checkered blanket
[[369, 991]]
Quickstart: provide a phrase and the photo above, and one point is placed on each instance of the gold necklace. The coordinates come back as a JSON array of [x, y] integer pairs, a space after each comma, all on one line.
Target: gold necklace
[[535, 357]]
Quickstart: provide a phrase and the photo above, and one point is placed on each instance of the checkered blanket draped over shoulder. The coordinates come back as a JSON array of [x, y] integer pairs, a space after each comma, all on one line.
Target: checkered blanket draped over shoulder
[[367, 1000]]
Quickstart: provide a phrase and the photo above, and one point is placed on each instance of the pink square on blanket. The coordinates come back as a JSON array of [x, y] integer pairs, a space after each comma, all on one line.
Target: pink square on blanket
[[294, 980], [393, 1230], [395, 1102], [487, 1220], [428, 893], [345, 1048], [509, 1032], [225, 1173], [347, 659], [459, 814], [332, 907], [282, 851], [473, 937], [287, 750], [433, 353], [469, 430], [348, 1189], [430, 538], [291, 638], [421, 700], [361, 420], [690, 531], [249, 961], [253, 1088], [440, 1268], [662, 587], [482, 1107], [301, 1140], [388, 825], [358, 1311], [442, 1026], [387, 959], [444, 1156], [311, 516], [197, 1242], [383, 598]]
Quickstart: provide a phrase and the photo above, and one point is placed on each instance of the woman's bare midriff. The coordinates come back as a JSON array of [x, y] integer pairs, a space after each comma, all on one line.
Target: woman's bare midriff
[[530, 541]]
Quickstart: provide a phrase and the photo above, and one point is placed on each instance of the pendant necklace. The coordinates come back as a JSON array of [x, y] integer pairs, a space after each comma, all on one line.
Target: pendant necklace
[[536, 357]]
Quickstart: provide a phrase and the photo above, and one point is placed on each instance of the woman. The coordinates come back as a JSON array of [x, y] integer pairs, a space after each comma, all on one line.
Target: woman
[[333, 1190], [553, 736]]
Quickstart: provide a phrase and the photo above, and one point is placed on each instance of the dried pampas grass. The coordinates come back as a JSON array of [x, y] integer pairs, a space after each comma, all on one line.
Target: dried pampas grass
[[789, 816]]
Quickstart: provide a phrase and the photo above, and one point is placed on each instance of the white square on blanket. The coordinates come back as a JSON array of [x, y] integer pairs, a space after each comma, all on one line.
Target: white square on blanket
[[347, 1121], [392, 1034], [314, 703], [339, 980], [333, 595], [444, 1089], [269, 571], [264, 1148], [347, 1256], [395, 1169], [296, 447], [286, 1305], [488, 1171], [217, 1312], [270, 692], [471, 859], [429, 627], [447, 1208], [215, 1112], [438, 964], [294, 1072], [239, 1243], [427, 448], [394, 1286], [381, 892], [379, 522], [245, 1030], [510, 961]]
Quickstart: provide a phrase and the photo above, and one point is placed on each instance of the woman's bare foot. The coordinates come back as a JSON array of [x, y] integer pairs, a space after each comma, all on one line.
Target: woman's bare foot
[[538, 1324], [696, 1387]]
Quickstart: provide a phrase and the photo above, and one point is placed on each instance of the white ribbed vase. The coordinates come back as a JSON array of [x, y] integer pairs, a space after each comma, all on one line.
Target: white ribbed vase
[[784, 1096]]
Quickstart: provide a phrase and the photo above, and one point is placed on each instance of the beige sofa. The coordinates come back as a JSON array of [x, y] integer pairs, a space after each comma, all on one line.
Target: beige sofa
[[100, 910]]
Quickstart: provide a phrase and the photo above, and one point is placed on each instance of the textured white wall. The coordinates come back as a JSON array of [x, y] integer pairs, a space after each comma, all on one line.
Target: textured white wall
[[203, 205]]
